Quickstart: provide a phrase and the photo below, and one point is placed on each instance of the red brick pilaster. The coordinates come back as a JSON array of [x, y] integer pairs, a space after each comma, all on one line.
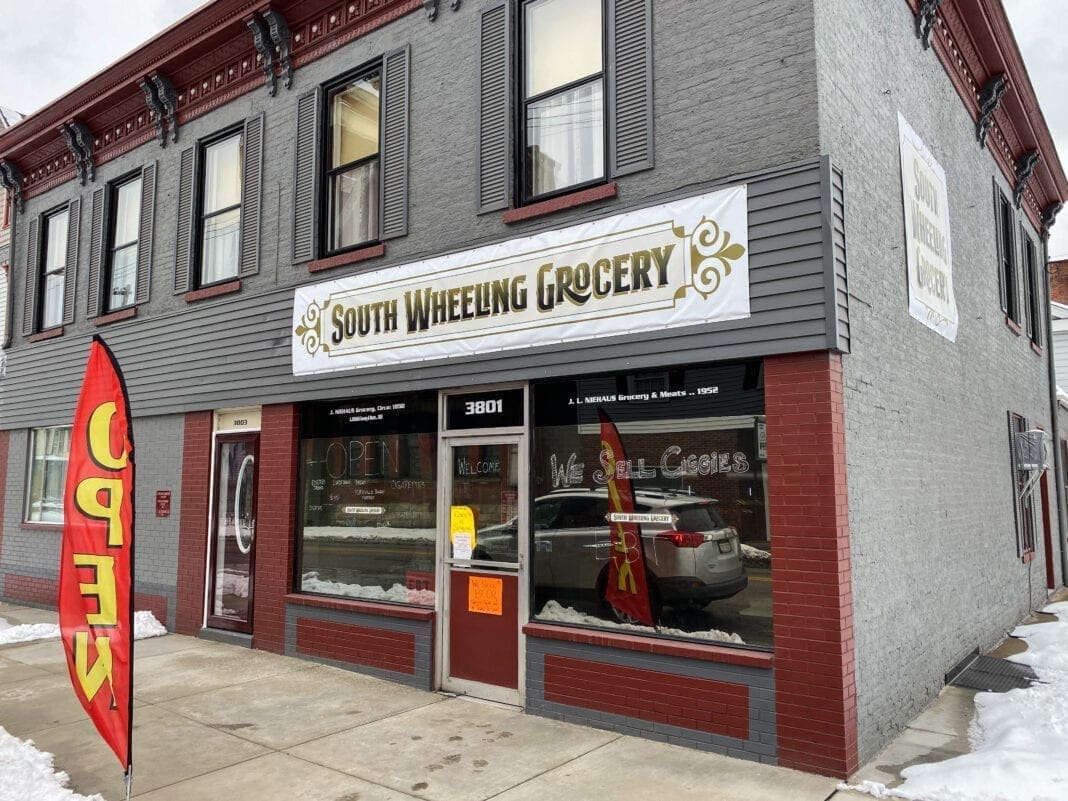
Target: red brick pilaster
[[275, 519], [812, 601], [193, 532]]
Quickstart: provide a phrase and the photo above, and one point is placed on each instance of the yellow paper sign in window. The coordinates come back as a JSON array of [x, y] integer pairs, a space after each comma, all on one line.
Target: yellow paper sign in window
[[462, 528], [485, 595]]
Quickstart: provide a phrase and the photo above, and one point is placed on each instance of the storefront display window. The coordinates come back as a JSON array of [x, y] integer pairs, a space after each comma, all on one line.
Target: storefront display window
[[368, 503], [49, 449], [675, 460]]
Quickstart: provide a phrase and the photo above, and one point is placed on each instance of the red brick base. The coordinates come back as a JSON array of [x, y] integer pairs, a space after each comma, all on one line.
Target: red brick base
[[5, 444], [716, 707], [357, 645], [193, 524], [812, 602], [156, 604], [31, 589]]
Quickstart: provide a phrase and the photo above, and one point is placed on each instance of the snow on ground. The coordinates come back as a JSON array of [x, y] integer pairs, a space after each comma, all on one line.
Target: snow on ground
[[28, 774], [377, 533], [556, 613], [1019, 739], [398, 593], [145, 625], [751, 554]]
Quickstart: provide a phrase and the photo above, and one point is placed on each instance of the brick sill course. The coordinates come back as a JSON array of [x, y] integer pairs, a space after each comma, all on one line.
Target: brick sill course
[[1036, 348], [352, 257], [27, 526], [51, 333], [1013, 326], [651, 645], [570, 201], [366, 607], [115, 316], [213, 291]]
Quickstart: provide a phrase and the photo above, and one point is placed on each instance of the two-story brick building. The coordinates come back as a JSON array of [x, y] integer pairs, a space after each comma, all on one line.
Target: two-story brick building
[[646, 369]]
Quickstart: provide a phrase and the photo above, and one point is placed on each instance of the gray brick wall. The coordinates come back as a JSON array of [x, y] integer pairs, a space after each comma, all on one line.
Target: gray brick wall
[[26, 552], [935, 566]]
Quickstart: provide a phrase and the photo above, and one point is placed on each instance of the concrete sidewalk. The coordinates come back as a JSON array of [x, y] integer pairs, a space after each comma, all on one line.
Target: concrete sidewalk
[[214, 721]]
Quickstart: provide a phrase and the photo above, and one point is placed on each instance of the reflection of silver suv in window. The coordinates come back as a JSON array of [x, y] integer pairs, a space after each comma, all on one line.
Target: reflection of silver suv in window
[[694, 559]]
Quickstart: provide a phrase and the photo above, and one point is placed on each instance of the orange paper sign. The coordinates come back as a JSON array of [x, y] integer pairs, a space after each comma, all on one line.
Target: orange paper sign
[[485, 595]]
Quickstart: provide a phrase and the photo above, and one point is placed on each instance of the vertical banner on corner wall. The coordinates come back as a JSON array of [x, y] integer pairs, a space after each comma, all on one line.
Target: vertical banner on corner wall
[[928, 248], [627, 590], [96, 565]]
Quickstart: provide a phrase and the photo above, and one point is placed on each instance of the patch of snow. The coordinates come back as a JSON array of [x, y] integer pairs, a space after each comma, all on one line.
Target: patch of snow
[[874, 789], [229, 582], [1019, 738], [557, 613], [28, 774], [755, 554], [4, 624], [398, 593], [145, 625]]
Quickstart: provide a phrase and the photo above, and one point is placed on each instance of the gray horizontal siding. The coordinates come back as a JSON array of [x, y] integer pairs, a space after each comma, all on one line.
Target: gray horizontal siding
[[236, 350]]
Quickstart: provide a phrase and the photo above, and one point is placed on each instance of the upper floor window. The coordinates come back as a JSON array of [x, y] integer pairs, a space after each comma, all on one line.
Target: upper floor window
[[563, 95], [123, 249], [49, 450], [220, 209], [53, 268], [352, 174], [1035, 310], [1006, 235]]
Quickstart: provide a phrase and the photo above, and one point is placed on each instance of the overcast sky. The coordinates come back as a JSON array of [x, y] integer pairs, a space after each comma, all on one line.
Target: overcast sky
[[49, 46]]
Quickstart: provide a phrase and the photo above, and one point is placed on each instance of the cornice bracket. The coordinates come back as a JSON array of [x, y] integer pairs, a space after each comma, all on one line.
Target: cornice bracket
[[1049, 216], [11, 178], [168, 98], [431, 8], [925, 20], [83, 138], [75, 151], [281, 38], [989, 101], [261, 38], [155, 107], [1025, 165]]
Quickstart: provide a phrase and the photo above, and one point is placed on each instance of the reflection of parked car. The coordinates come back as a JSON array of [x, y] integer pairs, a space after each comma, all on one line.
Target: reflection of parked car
[[692, 557]]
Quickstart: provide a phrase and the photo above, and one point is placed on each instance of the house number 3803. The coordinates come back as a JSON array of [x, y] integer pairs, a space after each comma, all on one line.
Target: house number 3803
[[492, 406]]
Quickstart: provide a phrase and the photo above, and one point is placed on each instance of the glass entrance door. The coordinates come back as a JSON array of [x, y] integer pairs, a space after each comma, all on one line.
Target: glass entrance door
[[484, 548], [233, 532]]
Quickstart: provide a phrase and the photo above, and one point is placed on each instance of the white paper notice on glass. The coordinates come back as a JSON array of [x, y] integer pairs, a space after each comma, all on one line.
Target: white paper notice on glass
[[461, 546]]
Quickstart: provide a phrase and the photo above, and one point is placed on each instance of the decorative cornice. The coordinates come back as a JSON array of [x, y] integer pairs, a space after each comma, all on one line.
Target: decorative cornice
[[168, 98], [1025, 165], [925, 21], [989, 100], [281, 38], [1049, 216], [11, 178], [155, 108], [261, 40], [75, 151]]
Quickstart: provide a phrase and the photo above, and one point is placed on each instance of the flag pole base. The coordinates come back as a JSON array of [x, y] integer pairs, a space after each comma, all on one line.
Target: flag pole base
[[127, 779]]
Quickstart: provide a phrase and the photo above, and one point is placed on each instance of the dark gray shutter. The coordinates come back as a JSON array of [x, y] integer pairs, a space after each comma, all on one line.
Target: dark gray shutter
[[96, 252], [999, 239], [630, 86], [144, 233], [494, 110], [394, 151], [1017, 510], [33, 275], [183, 250], [305, 178], [251, 192], [70, 270]]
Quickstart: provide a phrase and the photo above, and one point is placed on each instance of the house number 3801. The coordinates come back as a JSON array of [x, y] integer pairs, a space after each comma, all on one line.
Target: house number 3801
[[492, 406]]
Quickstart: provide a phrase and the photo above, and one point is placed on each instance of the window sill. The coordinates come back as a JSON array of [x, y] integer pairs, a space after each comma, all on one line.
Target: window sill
[[1027, 557], [651, 645], [366, 607], [213, 291], [113, 317], [570, 201], [50, 333], [352, 257], [1013, 326], [1036, 348], [57, 527]]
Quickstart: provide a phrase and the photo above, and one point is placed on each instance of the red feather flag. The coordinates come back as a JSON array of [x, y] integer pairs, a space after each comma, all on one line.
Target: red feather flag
[[96, 565], [627, 589]]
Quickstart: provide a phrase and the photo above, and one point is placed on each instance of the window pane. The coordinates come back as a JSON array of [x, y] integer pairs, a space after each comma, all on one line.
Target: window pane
[[127, 213], [565, 139], [56, 245], [222, 237], [699, 483], [223, 164], [48, 472], [354, 200], [355, 121], [52, 302], [563, 43], [123, 282], [369, 499]]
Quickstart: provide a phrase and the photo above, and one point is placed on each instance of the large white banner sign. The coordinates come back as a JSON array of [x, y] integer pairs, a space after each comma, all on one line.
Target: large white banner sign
[[928, 250], [676, 264]]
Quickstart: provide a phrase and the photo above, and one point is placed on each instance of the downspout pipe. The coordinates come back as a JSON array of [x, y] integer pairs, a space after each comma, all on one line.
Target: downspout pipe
[[1054, 405]]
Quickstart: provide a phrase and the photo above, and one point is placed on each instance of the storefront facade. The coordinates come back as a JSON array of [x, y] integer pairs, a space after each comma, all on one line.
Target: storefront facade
[[592, 425]]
